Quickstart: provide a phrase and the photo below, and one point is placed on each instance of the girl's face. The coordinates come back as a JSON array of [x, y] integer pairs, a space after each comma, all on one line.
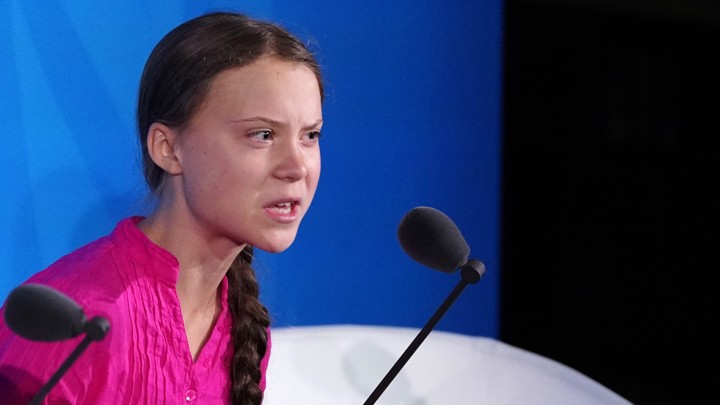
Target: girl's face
[[250, 156]]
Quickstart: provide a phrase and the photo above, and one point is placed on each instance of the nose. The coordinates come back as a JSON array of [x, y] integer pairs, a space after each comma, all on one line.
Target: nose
[[291, 163]]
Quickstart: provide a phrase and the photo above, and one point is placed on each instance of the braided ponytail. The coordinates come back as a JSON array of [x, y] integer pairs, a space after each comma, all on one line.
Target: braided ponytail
[[249, 331]]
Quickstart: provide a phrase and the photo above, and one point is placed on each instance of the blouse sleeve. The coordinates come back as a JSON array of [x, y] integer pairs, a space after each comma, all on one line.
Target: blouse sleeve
[[25, 366], [264, 361]]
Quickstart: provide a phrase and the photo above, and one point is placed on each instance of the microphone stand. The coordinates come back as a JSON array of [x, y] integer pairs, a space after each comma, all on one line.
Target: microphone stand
[[95, 330], [470, 274]]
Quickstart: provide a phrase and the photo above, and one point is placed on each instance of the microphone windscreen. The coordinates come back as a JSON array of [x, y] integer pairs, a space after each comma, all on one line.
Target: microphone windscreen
[[431, 238], [42, 313]]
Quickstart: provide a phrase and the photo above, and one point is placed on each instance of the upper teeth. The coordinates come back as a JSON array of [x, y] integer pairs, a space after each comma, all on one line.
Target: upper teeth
[[285, 204]]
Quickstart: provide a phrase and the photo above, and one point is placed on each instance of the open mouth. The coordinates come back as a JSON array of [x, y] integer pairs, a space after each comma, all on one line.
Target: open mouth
[[284, 208]]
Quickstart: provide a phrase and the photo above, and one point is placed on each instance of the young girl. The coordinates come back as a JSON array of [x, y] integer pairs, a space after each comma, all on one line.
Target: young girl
[[229, 116]]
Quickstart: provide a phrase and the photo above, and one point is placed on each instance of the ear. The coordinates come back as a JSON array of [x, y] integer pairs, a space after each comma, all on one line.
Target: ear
[[162, 147]]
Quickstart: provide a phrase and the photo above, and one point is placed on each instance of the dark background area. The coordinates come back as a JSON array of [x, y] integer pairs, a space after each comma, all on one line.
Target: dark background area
[[610, 175]]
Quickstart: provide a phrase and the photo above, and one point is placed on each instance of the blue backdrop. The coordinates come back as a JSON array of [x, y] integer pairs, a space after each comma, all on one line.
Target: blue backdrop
[[412, 117]]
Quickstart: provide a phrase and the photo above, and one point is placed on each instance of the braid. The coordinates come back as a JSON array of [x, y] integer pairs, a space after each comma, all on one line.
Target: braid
[[249, 331]]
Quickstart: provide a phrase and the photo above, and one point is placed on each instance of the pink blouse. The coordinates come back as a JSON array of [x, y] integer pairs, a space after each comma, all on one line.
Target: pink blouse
[[145, 357]]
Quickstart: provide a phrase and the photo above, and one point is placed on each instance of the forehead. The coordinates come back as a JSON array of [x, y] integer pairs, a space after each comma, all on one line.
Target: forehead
[[265, 74], [268, 86]]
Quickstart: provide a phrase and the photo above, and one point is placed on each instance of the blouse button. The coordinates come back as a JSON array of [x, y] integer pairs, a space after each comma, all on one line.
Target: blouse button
[[190, 395]]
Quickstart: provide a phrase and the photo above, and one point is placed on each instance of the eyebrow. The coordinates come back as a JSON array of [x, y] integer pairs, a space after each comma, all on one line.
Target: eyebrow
[[275, 122]]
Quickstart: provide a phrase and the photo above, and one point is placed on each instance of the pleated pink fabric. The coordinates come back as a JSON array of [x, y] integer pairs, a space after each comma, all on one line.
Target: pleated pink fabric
[[145, 358]]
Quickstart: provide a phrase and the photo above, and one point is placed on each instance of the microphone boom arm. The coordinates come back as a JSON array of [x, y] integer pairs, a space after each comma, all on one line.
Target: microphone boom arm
[[470, 273], [95, 330]]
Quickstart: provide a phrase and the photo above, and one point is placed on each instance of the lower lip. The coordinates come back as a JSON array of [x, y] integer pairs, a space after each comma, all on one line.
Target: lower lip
[[281, 216]]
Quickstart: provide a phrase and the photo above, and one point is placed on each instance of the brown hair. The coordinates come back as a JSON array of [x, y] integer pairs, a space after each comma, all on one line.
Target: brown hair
[[175, 82]]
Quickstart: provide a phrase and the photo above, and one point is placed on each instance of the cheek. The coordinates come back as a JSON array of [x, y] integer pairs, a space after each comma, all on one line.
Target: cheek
[[213, 174], [314, 168]]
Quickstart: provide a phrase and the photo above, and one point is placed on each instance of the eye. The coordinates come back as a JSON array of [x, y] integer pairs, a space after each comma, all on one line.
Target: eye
[[313, 135], [264, 135]]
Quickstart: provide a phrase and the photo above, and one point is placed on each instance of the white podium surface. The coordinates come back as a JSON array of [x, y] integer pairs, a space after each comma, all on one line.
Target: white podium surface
[[342, 364]]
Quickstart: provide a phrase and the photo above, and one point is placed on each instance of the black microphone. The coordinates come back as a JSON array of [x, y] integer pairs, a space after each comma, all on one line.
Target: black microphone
[[431, 238], [42, 313]]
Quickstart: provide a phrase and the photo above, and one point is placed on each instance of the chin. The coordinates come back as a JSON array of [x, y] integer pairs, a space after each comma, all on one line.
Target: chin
[[275, 246], [273, 249]]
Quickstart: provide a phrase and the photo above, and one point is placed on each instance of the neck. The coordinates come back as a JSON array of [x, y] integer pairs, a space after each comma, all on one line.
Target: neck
[[203, 261]]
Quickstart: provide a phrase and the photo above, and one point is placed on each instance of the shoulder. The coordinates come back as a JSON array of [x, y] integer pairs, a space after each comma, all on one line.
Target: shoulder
[[92, 273], [96, 276], [82, 271]]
